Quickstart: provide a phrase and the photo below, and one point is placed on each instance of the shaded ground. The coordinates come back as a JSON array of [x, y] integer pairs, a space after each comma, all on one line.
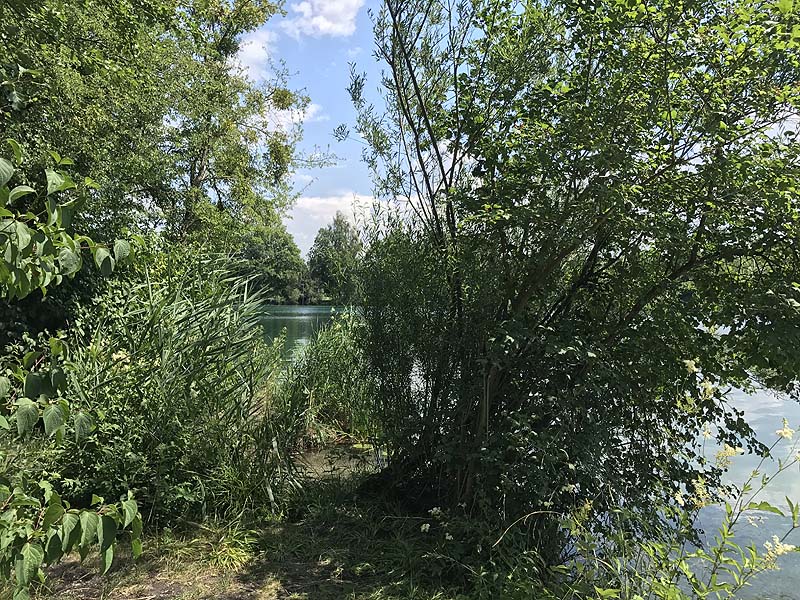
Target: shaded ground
[[334, 547]]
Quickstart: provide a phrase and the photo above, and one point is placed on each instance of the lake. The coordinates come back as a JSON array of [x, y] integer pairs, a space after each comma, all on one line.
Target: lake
[[300, 323], [763, 411]]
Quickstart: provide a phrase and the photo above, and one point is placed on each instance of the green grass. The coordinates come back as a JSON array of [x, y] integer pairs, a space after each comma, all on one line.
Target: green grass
[[333, 546]]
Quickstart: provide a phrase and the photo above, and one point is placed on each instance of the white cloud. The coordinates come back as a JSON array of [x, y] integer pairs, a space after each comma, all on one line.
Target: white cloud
[[323, 17], [353, 52], [286, 120], [311, 213], [254, 53], [314, 114]]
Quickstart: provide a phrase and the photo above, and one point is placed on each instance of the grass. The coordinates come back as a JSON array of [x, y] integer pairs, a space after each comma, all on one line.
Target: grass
[[334, 545]]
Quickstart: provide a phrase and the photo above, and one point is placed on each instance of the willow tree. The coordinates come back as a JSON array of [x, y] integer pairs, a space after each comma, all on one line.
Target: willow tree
[[600, 243]]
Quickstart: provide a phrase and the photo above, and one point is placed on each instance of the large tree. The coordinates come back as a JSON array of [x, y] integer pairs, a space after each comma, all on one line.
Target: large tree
[[601, 243], [334, 260]]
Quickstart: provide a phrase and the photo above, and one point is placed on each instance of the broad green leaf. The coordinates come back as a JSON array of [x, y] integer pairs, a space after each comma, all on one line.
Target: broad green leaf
[[785, 6], [131, 509], [122, 250], [136, 548], [70, 531], [54, 181], [52, 549], [21, 594], [52, 515], [69, 261], [89, 525], [19, 192], [5, 387], [6, 171], [53, 418], [32, 557], [107, 532], [34, 385], [106, 558], [4, 423], [84, 424], [23, 235], [27, 415], [104, 261]]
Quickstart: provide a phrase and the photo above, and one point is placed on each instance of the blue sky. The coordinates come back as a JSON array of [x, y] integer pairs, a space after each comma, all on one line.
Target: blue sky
[[316, 40]]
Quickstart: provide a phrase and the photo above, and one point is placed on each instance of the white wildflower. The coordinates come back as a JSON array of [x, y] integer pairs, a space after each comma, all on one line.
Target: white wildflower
[[570, 487], [786, 432], [425, 527], [448, 537], [708, 388], [691, 365], [435, 512], [777, 548]]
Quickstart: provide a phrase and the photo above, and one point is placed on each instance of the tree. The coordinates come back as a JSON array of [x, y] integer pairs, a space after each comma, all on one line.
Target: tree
[[600, 242], [273, 257], [150, 102], [334, 258]]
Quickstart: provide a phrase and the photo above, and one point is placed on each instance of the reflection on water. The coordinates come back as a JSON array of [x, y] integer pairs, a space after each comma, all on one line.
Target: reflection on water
[[300, 322], [765, 412]]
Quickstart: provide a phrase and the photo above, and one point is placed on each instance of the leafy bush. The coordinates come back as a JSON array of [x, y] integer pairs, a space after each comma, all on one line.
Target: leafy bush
[[175, 371]]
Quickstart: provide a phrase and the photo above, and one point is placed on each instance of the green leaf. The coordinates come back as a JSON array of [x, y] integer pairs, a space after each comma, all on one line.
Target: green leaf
[[52, 549], [16, 149], [106, 558], [69, 261], [89, 522], [53, 417], [136, 548], [6, 171], [23, 235], [785, 6], [70, 531], [84, 424], [21, 594], [54, 181], [52, 515], [5, 387], [4, 423], [34, 385], [107, 532], [31, 557], [131, 509], [27, 415], [766, 507], [20, 191], [104, 261], [122, 250]]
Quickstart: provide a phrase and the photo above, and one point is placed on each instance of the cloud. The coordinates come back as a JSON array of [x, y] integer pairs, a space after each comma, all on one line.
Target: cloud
[[353, 52], [311, 213], [254, 53], [314, 114], [323, 17], [287, 120]]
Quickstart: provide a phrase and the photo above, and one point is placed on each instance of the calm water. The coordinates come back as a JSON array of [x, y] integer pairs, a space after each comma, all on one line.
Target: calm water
[[763, 411], [300, 323]]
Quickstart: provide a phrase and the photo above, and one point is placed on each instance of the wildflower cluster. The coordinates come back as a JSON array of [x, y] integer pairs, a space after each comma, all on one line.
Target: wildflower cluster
[[774, 549]]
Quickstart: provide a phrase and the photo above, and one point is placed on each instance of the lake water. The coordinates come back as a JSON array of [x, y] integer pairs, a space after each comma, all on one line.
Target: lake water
[[300, 323], [763, 411]]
